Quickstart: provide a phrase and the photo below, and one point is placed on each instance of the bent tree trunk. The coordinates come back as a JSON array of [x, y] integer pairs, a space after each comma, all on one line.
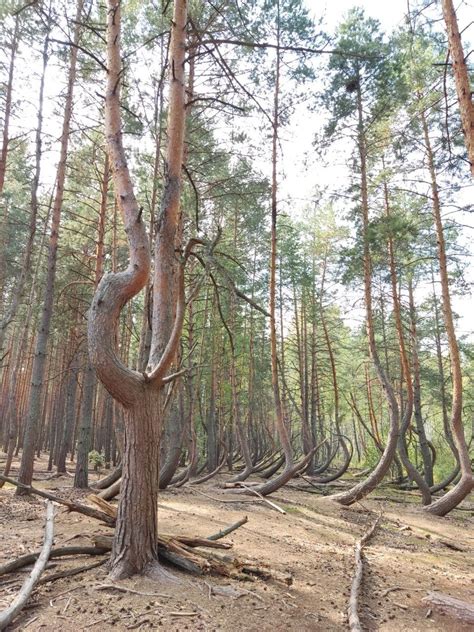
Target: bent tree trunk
[[406, 371], [365, 487], [141, 394], [466, 483]]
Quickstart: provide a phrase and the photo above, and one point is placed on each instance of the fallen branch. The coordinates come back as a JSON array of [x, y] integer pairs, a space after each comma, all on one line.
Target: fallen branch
[[70, 572], [30, 558], [229, 529], [265, 500], [353, 610], [130, 590], [456, 608], [223, 500], [7, 616], [72, 506]]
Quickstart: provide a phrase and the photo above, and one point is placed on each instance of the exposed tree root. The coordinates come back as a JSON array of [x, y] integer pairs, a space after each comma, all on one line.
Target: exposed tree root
[[353, 610], [179, 551]]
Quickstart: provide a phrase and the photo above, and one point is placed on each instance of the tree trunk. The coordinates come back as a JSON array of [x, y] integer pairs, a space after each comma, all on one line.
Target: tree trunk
[[420, 427], [141, 395], [39, 364], [461, 77], [365, 487], [406, 372], [18, 290], [135, 546], [466, 483]]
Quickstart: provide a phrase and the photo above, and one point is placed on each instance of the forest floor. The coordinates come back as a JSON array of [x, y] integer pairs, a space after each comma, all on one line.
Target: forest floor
[[409, 555]]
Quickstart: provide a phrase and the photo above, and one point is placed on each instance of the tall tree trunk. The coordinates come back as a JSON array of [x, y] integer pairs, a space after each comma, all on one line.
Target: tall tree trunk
[[466, 483], [461, 77], [39, 363], [376, 476], [135, 546], [420, 426], [18, 290], [406, 372], [8, 104], [81, 478]]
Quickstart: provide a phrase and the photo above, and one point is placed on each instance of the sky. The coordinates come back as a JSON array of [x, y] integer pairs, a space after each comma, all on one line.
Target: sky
[[389, 12]]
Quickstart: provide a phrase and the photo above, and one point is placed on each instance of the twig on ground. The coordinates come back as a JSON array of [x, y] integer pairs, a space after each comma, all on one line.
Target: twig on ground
[[265, 500], [130, 590], [227, 530]]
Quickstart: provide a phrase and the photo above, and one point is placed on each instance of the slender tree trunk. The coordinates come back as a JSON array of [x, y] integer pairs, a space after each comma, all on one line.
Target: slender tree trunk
[[406, 372], [420, 426], [376, 476], [18, 290], [461, 77], [81, 478], [8, 104], [466, 483], [39, 363]]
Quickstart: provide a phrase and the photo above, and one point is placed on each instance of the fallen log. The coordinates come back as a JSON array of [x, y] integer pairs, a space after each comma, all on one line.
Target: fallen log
[[72, 506], [112, 491], [7, 616], [103, 505], [108, 480], [353, 610], [456, 608]]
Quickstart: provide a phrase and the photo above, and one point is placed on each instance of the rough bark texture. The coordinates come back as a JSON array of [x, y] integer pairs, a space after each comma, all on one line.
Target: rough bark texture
[[461, 77], [135, 547]]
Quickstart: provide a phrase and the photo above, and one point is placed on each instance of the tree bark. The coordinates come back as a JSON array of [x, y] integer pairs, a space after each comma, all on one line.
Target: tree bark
[[39, 362], [365, 487], [461, 77], [466, 483], [135, 548]]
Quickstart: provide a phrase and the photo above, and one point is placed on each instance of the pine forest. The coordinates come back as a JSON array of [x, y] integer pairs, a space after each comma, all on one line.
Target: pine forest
[[236, 315]]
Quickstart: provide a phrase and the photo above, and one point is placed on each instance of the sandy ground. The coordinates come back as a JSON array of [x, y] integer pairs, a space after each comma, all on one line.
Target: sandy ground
[[313, 542]]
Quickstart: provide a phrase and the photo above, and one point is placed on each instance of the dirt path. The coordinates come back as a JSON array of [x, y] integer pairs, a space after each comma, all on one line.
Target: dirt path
[[312, 543]]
